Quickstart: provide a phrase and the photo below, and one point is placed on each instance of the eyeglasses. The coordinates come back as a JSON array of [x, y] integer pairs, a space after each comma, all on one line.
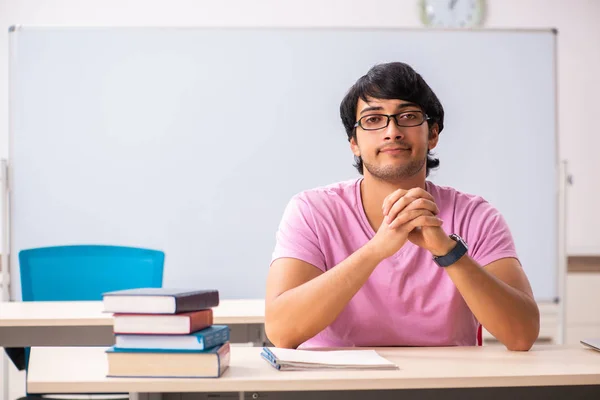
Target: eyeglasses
[[407, 119]]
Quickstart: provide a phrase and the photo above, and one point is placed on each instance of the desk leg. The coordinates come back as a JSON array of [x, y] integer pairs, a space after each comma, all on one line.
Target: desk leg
[[263, 337], [248, 334], [257, 334], [5, 381]]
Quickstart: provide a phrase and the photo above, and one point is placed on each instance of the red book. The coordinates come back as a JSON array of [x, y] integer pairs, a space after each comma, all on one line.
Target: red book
[[165, 324]]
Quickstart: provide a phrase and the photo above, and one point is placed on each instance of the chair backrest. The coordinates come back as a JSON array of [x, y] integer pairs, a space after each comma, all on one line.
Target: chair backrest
[[84, 272]]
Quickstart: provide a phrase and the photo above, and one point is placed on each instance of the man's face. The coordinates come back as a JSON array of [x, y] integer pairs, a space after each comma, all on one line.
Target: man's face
[[393, 153]]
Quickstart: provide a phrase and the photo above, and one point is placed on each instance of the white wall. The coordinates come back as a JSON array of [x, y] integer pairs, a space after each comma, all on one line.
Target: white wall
[[578, 60]]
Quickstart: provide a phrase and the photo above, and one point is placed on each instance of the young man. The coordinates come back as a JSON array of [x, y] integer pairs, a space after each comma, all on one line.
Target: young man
[[391, 259]]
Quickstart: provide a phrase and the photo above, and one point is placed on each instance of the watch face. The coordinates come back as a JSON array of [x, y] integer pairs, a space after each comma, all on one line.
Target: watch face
[[459, 239], [452, 13]]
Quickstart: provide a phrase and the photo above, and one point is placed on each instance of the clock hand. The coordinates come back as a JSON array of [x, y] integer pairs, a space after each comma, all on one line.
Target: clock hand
[[452, 4]]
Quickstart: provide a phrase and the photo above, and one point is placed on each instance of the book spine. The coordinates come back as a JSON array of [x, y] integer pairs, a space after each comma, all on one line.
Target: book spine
[[216, 338], [223, 359], [196, 302], [200, 320]]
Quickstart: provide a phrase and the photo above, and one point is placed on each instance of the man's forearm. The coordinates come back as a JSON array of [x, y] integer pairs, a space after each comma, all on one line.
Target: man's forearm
[[509, 314], [302, 312]]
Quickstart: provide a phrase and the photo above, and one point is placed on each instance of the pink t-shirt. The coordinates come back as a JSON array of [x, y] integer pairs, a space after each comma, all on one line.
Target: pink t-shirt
[[408, 300]]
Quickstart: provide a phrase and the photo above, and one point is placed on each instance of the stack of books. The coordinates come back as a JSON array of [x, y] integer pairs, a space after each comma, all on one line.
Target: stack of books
[[169, 333]]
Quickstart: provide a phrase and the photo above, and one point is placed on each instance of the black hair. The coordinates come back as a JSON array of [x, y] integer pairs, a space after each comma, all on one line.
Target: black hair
[[395, 80]]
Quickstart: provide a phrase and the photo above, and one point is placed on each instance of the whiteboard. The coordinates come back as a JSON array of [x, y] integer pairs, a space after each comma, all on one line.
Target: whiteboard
[[193, 140]]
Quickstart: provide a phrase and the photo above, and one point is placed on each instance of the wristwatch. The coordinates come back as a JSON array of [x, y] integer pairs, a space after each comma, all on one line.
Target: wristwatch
[[455, 254]]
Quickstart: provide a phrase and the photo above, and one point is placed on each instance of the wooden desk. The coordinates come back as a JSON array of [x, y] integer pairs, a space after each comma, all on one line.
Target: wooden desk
[[82, 323], [83, 370], [244, 316]]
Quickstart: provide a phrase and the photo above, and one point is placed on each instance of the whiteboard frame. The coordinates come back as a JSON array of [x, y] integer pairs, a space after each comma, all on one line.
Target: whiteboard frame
[[562, 186]]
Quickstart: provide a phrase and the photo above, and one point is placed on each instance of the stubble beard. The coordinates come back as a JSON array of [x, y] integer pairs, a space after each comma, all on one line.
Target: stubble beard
[[392, 173]]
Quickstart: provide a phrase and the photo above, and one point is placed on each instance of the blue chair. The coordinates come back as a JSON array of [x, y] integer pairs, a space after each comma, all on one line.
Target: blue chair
[[85, 272]]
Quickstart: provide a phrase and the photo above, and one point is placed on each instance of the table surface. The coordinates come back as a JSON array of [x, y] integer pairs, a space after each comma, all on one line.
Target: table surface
[[90, 313], [83, 370]]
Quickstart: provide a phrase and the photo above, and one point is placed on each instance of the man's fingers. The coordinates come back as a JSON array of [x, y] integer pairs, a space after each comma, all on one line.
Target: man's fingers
[[407, 203], [421, 193], [424, 204], [397, 208], [424, 220], [407, 218], [392, 198]]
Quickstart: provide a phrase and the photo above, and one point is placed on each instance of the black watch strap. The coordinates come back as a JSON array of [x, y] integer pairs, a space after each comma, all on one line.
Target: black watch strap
[[454, 255]]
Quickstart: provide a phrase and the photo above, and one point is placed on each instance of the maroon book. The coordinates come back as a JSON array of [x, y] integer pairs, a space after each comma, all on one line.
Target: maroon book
[[162, 324]]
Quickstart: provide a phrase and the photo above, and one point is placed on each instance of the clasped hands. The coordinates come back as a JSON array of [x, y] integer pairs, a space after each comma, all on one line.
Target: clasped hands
[[411, 215]]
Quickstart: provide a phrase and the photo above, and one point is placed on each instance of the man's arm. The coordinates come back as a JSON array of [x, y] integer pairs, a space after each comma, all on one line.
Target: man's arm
[[498, 294], [301, 300], [500, 297]]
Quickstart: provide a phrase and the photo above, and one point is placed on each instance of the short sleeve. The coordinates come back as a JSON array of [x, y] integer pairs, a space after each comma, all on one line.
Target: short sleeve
[[297, 235], [490, 238]]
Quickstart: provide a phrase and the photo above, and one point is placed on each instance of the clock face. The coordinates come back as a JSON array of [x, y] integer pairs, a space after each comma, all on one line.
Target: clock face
[[452, 13]]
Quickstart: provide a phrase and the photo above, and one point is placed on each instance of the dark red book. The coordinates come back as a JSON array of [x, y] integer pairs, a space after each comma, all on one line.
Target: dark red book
[[163, 324]]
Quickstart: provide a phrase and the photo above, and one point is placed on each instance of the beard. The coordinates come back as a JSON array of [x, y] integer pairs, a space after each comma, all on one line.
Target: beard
[[396, 173]]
